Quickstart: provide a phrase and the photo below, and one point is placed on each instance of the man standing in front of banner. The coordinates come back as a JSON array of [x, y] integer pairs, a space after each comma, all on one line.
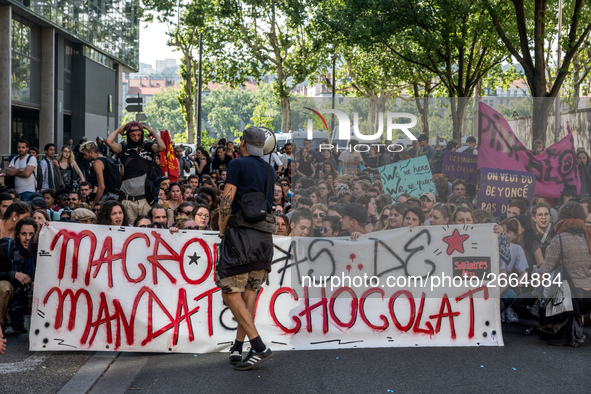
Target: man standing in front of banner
[[246, 249]]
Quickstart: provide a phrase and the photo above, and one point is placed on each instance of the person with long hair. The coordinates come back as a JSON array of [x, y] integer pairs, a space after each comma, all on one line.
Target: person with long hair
[[201, 161], [68, 166], [304, 164], [369, 203], [441, 214], [526, 238], [463, 215], [396, 218], [13, 214], [318, 211], [542, 219], [175, 196], [112, 213], [282, 222], [383, 219], [571, 248], [278, 196], [584, 163], [201, 216], [325, 191]]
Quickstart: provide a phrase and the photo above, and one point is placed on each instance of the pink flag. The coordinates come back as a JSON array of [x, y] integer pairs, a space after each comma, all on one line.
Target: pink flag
[[498, 147]]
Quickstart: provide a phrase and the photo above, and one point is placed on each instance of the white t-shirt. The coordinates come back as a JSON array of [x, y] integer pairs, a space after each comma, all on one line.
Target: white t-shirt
[[284, 160], [518, 260], [274, 159], [24, 184]]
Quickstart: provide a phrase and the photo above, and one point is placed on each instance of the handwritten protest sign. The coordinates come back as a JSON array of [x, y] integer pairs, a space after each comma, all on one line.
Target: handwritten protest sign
[[497, 187], [460, 165], [408, 176], [554, 168], [136, 289]]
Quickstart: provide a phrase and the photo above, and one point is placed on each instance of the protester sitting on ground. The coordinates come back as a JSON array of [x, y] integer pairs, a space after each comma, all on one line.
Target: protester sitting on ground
[[300, 223], [318, 212], [413, 216], [526, 238], [13, 214], [187, 192], [427, 201], [442, 188], [142, 221], [517, 265], [516, 207], [175, 196], [403, 197], [463, 215], [40, 217], [184, 209], [413, 202], [571, 248], [369, 204], [112, 213], [17, 273], [384, 219], [201, 216], [396, 218], [331, 226], [586, 204], [440, 214], [5, 201], [282, 224], [326, 191], [83, 215], [459, 187], [354, 220]]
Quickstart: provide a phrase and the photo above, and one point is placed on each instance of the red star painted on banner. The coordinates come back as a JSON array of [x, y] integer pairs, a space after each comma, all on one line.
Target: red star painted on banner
[[455, 242]]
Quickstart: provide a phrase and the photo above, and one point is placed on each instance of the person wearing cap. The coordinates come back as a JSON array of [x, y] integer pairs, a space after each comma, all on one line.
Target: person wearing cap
[[137, 157], [354, 220], [427, 202], [240, 278], [83, 215]]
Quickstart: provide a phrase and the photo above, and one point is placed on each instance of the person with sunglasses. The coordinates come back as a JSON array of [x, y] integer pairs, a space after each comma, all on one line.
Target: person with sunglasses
[[142, 221], [331, 226], [185, 209], [318, 211]]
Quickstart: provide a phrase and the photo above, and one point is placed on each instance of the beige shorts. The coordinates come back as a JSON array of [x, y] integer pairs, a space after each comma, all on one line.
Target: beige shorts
[[252, 280]]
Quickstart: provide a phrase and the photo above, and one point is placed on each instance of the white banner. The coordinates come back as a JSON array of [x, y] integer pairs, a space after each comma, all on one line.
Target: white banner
[[137, 289]]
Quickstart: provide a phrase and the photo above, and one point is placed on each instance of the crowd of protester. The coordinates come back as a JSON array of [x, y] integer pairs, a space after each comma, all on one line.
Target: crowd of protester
[[326, 193]]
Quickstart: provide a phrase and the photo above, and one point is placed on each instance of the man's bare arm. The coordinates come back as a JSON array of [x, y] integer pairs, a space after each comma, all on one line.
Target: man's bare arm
[[114, 146], [226, 206]]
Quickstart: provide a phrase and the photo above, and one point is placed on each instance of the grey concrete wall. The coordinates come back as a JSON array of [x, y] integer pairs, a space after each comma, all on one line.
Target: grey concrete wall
[[580, 123], [47, 110], [5, 73]]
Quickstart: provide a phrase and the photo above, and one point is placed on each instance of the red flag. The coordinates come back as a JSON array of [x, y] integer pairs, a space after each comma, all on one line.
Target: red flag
[[170, 164]]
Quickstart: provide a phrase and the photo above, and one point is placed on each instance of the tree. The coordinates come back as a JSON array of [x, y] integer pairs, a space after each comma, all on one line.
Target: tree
[[164, 112], [185, 20], [254, 38], [523, 28], [450, 39], [227, 110]]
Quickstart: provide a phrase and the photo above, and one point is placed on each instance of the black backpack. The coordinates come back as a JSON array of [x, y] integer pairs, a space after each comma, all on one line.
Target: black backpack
[[437, 166], [111, 175]]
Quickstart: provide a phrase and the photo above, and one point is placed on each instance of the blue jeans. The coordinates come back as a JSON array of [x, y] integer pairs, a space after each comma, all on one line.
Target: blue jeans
[[25, 196]]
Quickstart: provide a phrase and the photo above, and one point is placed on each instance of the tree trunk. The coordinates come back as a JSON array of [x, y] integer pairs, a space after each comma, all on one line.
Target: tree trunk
[[542, 106], [285, 115], [425, 115], [458, 109], [189, 99]]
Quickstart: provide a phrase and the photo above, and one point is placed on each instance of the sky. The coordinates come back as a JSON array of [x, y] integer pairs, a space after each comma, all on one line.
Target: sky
[[153, 44]]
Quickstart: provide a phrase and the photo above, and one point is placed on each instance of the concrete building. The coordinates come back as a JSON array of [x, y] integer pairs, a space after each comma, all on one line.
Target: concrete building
[[61, 66]]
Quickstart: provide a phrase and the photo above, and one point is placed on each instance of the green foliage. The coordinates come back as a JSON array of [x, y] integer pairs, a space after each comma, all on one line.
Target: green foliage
[[164, 113]]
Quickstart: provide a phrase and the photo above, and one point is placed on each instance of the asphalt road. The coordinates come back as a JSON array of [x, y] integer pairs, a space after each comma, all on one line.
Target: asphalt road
[[525, 363]]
